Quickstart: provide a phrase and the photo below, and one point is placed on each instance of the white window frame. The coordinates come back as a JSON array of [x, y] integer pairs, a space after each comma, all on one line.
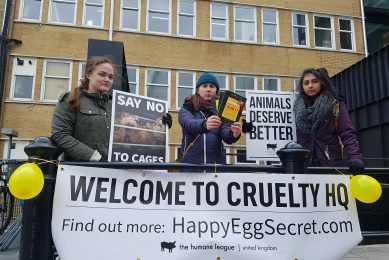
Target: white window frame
[[43, 88], [63, 1], [179, 14], [137, 79], [80, 74], [278, 83], [248, 76], [168, 82], [158, 11], [220, 18], [102, 14], [352, 32], [130, 8], [326, 29], [21, 8], [277, 24], [247, 21], [13, 81], [178, 106], [300, 26]]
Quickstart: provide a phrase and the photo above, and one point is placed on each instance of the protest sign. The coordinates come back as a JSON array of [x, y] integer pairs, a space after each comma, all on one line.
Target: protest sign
[[271, 113], [137, 131], [128, 214]]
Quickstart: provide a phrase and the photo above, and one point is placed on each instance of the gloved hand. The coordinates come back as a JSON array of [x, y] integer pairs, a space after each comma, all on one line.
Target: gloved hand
[[356, 168], [247, 127], [167, 120]]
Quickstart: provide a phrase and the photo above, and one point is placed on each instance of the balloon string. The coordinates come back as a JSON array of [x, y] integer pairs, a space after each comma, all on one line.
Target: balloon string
[[339, 171], [56, 162]]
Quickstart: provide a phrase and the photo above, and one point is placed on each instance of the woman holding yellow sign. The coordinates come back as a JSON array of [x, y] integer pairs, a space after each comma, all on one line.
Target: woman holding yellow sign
[[203, 132]]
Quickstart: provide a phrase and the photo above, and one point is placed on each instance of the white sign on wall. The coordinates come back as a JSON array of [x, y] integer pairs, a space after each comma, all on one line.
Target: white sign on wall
[[127, 214], [271, 113]]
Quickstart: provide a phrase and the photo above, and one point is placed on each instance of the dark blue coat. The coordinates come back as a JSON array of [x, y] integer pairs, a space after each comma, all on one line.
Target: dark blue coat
[[324, 143], [208, 148]]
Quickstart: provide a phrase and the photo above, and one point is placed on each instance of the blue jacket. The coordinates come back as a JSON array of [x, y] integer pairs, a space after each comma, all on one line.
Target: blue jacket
[[208, 148]]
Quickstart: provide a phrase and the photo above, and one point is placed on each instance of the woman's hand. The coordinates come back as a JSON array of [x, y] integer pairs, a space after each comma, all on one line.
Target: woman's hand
[[236, 129], [213, 122]]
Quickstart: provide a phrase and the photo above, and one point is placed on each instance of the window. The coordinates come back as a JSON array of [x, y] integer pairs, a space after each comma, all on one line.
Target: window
[[243, 83], [219, 21], [31, 10], [158, 16], [56, 79], [271, 84], [130, 14], [346, 33], [323, 31], [300, 29], [93, 13], [223, 81], [132, 74], [270, 26], [296, 85], [157, 84], [23, 78], [186, 18], [63, 11], [17, 151], [245, 25], [241, 155], [81, 71], [185, 86]]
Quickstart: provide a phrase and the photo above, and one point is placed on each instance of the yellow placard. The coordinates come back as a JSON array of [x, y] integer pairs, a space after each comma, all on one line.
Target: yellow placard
[[231, 109]]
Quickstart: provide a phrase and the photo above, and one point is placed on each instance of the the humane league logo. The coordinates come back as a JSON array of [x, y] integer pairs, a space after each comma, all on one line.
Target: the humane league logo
[[168, 245]]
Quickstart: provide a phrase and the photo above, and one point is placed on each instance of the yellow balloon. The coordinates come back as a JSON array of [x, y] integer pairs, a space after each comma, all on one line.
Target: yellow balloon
[[26, 181], [365, 188]]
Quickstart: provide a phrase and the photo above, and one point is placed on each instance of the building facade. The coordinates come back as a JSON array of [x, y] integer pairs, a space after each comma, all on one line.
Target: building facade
[[249, 44]]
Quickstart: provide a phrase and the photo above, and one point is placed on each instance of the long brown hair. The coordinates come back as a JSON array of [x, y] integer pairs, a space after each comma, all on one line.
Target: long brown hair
[[91, 64]]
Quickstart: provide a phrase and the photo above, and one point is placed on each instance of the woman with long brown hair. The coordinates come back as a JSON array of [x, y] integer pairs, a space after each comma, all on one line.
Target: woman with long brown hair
[[82, 117]]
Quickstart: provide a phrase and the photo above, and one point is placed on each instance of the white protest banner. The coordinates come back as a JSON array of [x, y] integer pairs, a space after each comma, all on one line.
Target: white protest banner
[[271, 113], [137, 131], [128, 214]]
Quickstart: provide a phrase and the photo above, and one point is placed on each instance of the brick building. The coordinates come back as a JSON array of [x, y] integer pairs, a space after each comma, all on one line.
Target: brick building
[[249, 44]]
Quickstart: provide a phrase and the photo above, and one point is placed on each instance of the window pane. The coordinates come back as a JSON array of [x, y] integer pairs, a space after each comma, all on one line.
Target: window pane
[[185, 79], [322, 22], [244, 31], [186, 25], [130, 19], [241, 156], [158, 22], [299, 19], [93, 15], [131, 73], [130, 3], [62, 12], [241, 93], [269, 16], [132, 88], [99, 2], [244, 83], [157, 77], [31, 9], [182, 94], [244, 13], [218, 28], [186, 7], [270, 33], [299, 36], [219, 11], [222, 81], [157, 92], [270, 84], [161, 5], [323, 38], [23, 87], [345, 25], [57, 69], [345, 41], [54, 88]]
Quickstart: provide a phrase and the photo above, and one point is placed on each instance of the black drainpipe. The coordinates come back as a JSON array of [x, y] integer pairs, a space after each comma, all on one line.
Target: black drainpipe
[[4, 44]]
